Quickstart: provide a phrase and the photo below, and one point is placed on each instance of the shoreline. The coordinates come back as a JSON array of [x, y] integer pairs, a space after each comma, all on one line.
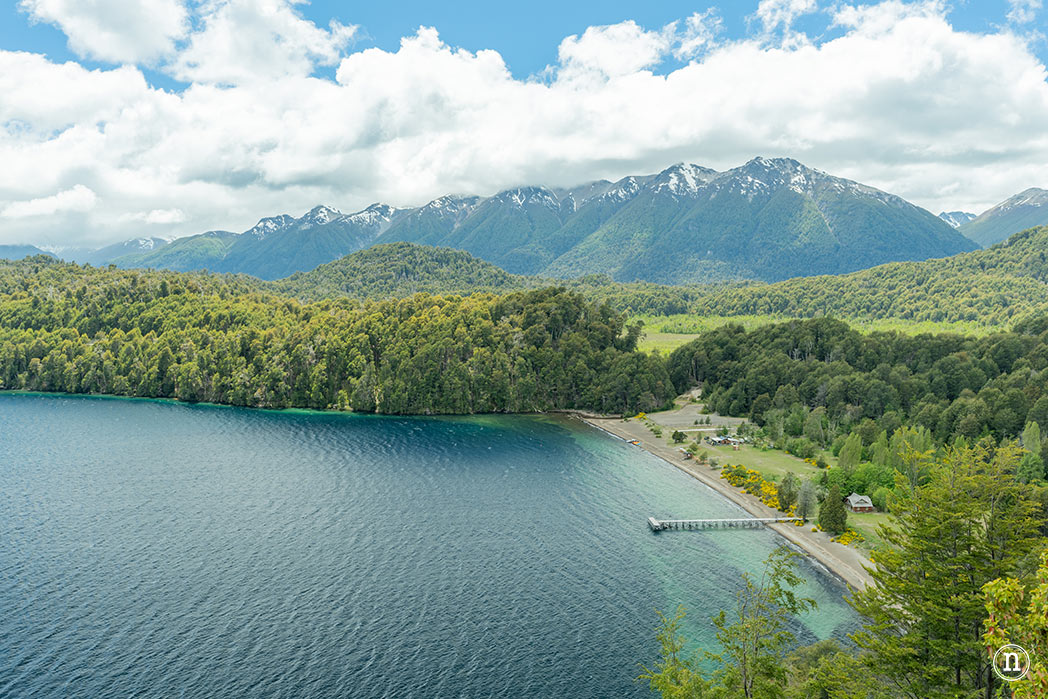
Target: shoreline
[[842, 562]]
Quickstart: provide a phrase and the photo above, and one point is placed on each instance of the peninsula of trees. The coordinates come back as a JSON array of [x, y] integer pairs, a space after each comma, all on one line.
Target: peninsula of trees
[[199, 337]]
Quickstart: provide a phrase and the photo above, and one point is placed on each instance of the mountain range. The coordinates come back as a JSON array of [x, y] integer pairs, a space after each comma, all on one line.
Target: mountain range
[[275, 247], [769, 219]]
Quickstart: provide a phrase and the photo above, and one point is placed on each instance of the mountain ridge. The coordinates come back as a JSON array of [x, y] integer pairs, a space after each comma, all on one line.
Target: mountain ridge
[[769, 219], [1019, 212], [956, 218]]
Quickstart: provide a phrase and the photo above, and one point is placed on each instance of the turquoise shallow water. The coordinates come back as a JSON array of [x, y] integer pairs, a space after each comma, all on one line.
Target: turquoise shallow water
[[154, 549]]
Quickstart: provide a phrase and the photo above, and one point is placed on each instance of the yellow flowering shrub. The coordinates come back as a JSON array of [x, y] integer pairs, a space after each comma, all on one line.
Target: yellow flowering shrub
[[753, 483], [849, 537]]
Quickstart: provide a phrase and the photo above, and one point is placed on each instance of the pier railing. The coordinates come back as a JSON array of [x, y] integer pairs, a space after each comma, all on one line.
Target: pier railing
[[658, 525]]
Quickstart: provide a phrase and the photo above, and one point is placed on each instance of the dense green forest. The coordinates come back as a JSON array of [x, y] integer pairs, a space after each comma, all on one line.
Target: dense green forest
[[994, 287], [218, 339], [394, 270], [950, 384], [875, 399]]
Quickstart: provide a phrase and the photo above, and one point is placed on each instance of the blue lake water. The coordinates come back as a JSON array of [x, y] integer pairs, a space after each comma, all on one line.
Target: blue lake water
[[155, 549]]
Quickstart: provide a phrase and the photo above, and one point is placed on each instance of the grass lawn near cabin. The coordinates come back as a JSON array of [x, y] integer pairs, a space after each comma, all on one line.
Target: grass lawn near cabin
[[773, 464], [867, 524]]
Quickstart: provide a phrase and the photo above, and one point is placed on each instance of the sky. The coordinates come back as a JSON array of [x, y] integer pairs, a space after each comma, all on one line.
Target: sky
[[172, 117]]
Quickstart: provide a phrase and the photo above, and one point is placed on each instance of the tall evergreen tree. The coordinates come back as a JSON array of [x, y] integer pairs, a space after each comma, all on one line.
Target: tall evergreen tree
[[833, 516], [970, 523]]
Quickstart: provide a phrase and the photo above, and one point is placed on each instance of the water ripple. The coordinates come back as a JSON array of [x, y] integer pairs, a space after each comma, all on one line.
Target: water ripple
[[158, 550]]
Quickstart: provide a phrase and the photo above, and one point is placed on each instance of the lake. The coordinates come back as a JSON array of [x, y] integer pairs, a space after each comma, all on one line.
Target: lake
[[156, 549]]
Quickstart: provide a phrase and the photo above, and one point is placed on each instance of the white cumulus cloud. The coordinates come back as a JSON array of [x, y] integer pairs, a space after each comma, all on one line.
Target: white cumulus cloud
[[256, 40], [156, 216], [614, 50], [77, 198], [115, 30], [898, 99], [698, 35]]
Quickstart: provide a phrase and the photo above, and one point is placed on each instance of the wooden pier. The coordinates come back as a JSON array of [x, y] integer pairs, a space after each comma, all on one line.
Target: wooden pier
[[658, 525]]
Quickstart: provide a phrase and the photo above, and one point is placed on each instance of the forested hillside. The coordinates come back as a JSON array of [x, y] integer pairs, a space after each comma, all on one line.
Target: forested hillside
[[195, 252], [212, 338], [829, 375], [993, 287], [393, 270]]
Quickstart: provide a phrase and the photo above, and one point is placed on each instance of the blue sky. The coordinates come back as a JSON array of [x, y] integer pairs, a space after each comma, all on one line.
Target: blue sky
[[526, 34], [168, 117]]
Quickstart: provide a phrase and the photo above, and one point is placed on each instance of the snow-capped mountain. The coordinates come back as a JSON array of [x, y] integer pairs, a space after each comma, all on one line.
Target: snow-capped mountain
[[275, 247], [767, 219], [956, 218], [770, 218], [682, 180], [1025, 210], [269, 225], [104, 256]]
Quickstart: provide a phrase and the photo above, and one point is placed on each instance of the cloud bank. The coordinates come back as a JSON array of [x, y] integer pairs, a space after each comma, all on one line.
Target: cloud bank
[[892, 95]]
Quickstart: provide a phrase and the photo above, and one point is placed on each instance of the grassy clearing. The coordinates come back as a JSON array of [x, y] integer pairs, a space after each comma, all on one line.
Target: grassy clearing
[[666, 333], [663, 343], [867, 524], [772, 464]]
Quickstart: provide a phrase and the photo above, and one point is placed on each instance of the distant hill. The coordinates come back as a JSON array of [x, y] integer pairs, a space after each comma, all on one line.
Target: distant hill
[[1025, 210], [400, 269], [767, 220], [17, 252], [991, 287], [204, 251], [956, 218], [106, 255], [275, 247]]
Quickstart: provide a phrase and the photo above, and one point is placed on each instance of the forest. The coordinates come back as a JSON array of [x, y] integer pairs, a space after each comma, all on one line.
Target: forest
[[197, 337], [991, 288]]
